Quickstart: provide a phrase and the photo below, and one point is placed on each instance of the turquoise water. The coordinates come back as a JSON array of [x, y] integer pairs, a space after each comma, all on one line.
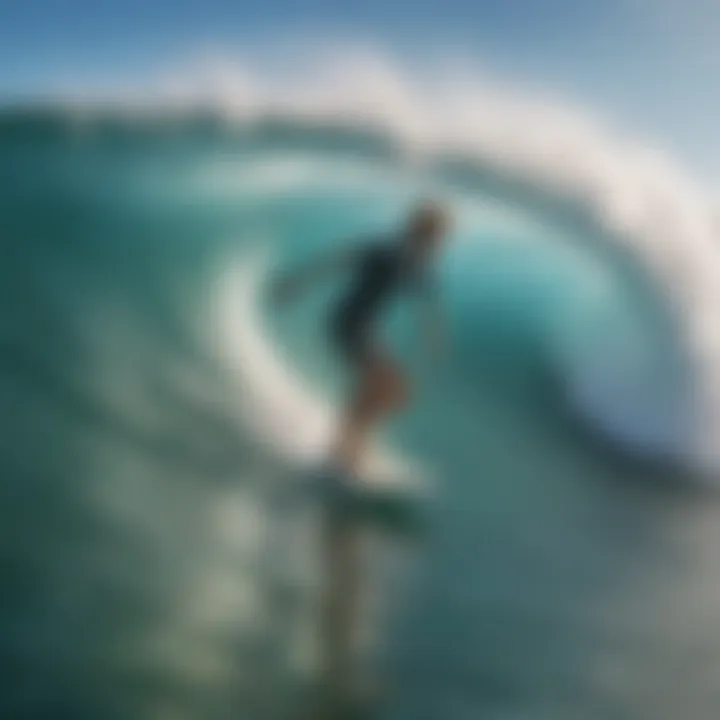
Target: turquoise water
[[148, 570]]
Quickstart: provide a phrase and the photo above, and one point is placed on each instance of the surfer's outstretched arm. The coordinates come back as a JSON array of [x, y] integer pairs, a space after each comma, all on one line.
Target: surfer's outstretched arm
[[288, 286]]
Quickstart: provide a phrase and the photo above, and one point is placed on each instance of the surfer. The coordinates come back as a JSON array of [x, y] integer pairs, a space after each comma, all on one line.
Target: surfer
[[380, 270]]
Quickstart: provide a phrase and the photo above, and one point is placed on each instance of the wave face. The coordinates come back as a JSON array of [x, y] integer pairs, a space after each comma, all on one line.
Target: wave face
[[149, 449]]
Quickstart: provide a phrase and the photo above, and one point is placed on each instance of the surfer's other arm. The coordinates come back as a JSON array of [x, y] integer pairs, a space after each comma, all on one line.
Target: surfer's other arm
[[288, 286]]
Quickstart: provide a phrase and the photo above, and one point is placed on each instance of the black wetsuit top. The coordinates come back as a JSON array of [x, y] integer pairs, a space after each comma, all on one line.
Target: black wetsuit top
[[383, 270]]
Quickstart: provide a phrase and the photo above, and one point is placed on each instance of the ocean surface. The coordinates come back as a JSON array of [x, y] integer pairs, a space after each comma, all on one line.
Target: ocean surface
[[156, 411]]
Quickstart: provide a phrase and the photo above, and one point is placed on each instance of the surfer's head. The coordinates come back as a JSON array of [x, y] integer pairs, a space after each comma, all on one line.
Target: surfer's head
[[427, 226]]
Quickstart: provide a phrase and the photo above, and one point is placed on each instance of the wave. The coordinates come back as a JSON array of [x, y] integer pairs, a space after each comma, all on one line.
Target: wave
[[548, 564], [631, 190]]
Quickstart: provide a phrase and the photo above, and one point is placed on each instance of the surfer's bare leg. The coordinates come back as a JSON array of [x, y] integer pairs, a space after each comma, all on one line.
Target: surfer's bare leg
[[381, 390]]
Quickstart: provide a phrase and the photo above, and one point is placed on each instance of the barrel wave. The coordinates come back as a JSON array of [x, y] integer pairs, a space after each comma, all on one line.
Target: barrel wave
[[156, 408]]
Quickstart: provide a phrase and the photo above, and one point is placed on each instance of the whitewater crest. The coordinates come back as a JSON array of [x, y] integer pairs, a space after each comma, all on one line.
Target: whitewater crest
[[633, 190]]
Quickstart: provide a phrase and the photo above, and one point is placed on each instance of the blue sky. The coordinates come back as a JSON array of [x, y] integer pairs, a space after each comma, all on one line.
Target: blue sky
[[649, 65]]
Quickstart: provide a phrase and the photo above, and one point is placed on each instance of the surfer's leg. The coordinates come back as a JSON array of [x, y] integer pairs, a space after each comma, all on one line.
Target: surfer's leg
[[381, 389]]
